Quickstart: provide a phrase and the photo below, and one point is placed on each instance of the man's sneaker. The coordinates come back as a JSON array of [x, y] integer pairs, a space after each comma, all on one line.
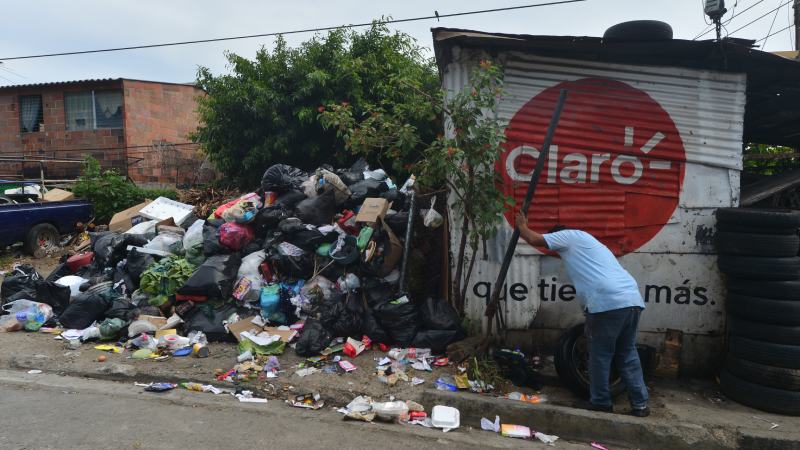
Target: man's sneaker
[[640, 412], [585, 404]]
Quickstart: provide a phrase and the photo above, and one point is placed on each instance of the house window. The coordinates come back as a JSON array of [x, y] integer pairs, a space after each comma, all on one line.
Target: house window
[[30, 113], [92, 110]]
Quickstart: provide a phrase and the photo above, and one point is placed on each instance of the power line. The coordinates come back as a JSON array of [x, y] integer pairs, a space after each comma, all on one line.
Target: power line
[[436, 16], [761, 17], [729, 20], [771, 25], [773, 34]]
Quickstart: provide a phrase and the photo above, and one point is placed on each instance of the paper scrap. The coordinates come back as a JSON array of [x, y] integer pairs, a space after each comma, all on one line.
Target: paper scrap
[[34, 371], [262, 339], [488, 425], [416, 381]]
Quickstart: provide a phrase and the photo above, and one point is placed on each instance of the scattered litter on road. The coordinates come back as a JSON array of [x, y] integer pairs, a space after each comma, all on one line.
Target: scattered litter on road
[[34, 371]]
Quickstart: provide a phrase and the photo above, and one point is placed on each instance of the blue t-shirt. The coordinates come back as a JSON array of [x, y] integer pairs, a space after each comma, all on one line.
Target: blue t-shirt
[[601, 284]]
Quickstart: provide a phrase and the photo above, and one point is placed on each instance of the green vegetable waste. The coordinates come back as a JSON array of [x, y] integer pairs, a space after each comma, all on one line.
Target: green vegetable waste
[[163, 278]]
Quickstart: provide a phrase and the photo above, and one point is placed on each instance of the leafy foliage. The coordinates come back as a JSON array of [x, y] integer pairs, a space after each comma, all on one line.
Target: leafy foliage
[[769, 159], [266, 110], [111, 192], [463, 161]]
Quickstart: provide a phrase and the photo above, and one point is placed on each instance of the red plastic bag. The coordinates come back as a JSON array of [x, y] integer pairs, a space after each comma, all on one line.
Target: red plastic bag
[[235, 236]]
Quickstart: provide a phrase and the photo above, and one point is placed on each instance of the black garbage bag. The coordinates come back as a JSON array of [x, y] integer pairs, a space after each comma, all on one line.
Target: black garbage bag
[[365, 189], [136, 264], [371, 328], [437, 340], [289, 199], [20, 284], [268, 218], [378, 291], [354, 174], [214, 278], [273, 239], [211, 245], [438, 315], [85, 309], [122, 308], [60, 270], [398, 223], [313, 339], [516, 368], [291, 225], [399, 318], [317, 210], [111, 248], [309, 240], [55, 295], [281, 178], [207, 318], [292, 266], [127, 286], [253, 246], [342, 316]]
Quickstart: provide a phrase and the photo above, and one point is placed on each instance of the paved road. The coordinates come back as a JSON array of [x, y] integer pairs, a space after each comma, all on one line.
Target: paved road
[[51, 411]]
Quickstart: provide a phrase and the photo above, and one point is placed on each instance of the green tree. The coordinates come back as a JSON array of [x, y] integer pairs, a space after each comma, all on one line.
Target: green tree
[[462, 162], [265, 111]]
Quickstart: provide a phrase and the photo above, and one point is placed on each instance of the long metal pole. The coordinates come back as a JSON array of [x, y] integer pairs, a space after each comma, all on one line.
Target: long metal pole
[[494, 302]]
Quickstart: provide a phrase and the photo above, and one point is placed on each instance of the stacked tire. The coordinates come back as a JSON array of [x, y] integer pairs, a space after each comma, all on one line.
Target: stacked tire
[[758, 251]]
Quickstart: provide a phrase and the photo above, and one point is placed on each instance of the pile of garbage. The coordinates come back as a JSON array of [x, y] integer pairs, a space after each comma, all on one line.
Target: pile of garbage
[[308, 260]]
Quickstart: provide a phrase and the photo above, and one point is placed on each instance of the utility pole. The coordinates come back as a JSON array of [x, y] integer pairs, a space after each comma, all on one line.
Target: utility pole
[[796, 24]]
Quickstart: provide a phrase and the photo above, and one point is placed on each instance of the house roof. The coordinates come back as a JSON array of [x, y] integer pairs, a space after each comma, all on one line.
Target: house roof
[[82, 82], [772, 112]]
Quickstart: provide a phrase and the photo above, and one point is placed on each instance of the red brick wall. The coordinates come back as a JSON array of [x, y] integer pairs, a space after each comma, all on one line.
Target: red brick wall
[[53, 140], [158, 120]]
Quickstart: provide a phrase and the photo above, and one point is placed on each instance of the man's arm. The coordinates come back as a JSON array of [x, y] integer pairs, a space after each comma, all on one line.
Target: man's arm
[[528, 235]]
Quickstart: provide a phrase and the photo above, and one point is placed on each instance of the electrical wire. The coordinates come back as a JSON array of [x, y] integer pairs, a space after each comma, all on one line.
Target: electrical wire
[[771, 25], [436, 16], [760, 17], [729, 20], [773, 34]]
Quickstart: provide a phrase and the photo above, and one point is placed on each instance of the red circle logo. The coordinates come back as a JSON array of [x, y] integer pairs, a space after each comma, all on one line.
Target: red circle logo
[[615, 166]]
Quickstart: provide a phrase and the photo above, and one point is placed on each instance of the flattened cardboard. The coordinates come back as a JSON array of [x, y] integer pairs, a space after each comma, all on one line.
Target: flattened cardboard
[[395, 252], [58, 195], [247, 324], [158, 322], [372, 209], [124, 220]]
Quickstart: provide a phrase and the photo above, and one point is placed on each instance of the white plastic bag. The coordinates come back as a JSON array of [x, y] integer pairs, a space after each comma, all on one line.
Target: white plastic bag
[[144, 229], [73, 282], [433, 219], [194, 235], [166, 242], [248, 286]]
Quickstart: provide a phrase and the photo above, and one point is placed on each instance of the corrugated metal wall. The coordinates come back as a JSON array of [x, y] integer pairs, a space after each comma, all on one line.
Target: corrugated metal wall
[[656, 211]]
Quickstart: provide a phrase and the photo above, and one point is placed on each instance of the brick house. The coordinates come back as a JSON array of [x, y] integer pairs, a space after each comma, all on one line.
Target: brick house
[[138, 127]]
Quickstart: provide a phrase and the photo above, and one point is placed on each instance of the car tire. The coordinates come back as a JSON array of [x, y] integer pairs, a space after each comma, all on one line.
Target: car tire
[[765, 398], [778, 290], [752, 244], [733, 227], [571, 362], [41, 239], [764, 310], [775, 377], [760, 268], [767, 353], [778, 334], [759, 218], [639, 30]]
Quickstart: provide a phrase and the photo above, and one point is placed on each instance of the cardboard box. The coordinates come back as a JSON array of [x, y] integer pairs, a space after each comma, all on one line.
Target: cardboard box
[[157, 321], [395, 252], [124, 220], [246, 324], [163, 208], [372, 209], [58, 195]]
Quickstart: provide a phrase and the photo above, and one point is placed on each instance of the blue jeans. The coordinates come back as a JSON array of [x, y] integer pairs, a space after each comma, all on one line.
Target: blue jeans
[[611, 336]]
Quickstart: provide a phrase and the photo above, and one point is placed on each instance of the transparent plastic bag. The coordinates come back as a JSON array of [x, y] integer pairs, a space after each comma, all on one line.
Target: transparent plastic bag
[[167, 242], [32, 315], [433, 219]]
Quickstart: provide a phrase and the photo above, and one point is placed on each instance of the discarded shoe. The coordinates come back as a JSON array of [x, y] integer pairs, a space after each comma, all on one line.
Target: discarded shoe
[[640, 412], [585, 404]]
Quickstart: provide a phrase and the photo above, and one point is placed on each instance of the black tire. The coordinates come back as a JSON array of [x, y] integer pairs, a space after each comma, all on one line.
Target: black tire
[[639, 30], [761, 397], [41, 239], [778, 334], [739, 228], [753, 244], [760, 218], [764, 310], [571, 361], [768, 353], [779, 290], [776, 377], [759, 267]]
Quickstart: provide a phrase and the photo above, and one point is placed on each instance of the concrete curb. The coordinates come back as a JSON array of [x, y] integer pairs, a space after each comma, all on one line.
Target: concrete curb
[[586, 426]]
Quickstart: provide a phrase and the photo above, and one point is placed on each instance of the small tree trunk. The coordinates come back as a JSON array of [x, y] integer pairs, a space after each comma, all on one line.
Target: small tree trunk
[[463, 297], [456, 301]]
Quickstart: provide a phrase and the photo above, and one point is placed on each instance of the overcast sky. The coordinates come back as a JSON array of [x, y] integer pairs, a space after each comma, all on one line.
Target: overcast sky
[[47, 26]]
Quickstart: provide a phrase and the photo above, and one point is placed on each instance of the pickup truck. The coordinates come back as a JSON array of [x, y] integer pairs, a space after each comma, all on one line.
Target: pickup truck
[[39, 225]]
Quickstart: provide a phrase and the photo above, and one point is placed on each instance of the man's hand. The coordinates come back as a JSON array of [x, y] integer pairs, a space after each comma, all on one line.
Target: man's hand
[[521, 221]]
